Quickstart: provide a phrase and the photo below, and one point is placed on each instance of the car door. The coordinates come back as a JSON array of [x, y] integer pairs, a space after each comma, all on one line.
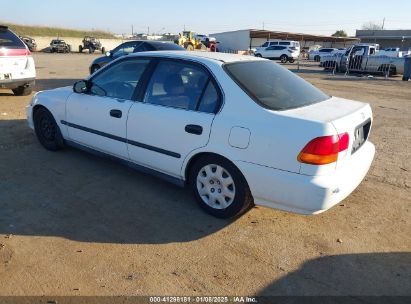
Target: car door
[[269, 52], [98, 118], [174, 116]]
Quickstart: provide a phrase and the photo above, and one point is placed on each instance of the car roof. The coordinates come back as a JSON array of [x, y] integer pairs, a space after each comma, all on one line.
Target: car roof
[[200, 56]]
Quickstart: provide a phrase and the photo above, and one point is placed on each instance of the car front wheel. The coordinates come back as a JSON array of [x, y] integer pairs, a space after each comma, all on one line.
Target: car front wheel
[[47, 130], [219, 187], [283, 58]]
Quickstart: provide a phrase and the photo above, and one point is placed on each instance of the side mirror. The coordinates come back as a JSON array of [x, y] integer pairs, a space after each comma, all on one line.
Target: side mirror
[[80, 87], [108, 54]]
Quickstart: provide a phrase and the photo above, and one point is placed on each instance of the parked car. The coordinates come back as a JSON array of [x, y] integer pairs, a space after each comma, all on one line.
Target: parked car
[[283, 53], [30, 42], [91, 44], [17, 70], [237, 130], [59, 46], [130, 47], [317, 54]]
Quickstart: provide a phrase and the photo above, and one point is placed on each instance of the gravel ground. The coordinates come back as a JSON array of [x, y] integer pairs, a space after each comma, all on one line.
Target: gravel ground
[[76, 224]]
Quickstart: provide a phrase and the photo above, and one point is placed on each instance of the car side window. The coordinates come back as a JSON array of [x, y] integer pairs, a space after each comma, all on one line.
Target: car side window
[[177, 84], [119, 80], [210, 100], [265, 44]]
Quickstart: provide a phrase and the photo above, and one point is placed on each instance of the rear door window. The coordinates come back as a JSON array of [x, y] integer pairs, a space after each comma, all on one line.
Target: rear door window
[[9, 40]]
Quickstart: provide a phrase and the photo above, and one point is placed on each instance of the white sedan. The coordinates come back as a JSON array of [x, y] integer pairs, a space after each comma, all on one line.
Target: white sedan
[[236, 129]]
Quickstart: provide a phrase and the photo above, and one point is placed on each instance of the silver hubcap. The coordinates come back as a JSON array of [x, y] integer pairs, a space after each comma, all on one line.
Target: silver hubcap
[[215, 186]]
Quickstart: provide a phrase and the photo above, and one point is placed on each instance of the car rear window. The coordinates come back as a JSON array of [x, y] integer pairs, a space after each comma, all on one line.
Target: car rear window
[[9, 40], [273, 86]]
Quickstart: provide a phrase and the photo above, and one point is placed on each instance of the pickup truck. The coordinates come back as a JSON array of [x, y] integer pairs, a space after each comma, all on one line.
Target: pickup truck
[[363, 58]]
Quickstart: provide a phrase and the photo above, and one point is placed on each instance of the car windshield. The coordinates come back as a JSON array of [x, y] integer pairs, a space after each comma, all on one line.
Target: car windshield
[[273, 86]]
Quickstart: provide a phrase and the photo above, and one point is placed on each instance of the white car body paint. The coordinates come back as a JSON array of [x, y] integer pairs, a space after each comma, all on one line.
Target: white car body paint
[[263, 144]]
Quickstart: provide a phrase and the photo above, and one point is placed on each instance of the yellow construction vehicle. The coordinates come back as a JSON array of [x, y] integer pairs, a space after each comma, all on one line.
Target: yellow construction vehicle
[[188, 40]]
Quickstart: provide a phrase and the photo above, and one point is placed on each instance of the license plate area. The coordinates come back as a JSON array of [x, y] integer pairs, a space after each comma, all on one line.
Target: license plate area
[[5, 76], [361, 135]]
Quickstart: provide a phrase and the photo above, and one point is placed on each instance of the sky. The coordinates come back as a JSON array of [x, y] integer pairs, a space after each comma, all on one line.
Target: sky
[[321, 17]]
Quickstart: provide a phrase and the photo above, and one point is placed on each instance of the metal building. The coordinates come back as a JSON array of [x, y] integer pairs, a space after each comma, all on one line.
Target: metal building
[[387, 38], [250, 38]]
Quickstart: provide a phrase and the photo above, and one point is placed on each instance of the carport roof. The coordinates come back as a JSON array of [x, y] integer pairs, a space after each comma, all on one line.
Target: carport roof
[[297, 36]]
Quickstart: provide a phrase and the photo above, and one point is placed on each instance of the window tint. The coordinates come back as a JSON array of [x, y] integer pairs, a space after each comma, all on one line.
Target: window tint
[[210, 100], [265, 44], [285, 43], [168, 47], [119, 80], [126, 48], [176, 84], [9, 40], [273, 86], [143, 47]]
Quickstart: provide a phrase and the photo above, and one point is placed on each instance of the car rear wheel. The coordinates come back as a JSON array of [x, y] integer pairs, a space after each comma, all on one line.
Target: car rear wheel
[[47, 130], [284, 58], [219, 187], [22, 91], [292, 60], [258, 55]]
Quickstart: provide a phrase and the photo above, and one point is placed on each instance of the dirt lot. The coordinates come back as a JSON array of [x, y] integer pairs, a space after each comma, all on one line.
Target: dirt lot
[[75, 224]]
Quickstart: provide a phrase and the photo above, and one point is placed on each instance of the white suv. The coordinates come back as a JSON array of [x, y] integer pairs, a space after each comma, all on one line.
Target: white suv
[[283, 53], [17, 70]]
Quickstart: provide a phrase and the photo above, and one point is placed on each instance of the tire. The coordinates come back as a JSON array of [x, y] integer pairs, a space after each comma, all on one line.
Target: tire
[[22, 91], [80, 49], [214, 175], [292, 60], [103, 50], [258, 55], [47, 130], [284, 58], [405, 78], [190, 47], [94, 68]]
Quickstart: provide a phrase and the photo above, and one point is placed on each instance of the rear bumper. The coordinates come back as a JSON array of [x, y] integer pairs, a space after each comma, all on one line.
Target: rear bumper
[[15, 83], [304, 194]]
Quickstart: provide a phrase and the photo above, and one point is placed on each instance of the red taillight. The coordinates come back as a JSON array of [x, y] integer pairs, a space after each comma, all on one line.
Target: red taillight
[[324, 150], [14, 52]]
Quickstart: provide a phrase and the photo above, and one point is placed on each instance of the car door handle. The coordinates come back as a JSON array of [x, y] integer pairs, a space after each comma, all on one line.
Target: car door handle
[[116, 113], [194, 129]]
